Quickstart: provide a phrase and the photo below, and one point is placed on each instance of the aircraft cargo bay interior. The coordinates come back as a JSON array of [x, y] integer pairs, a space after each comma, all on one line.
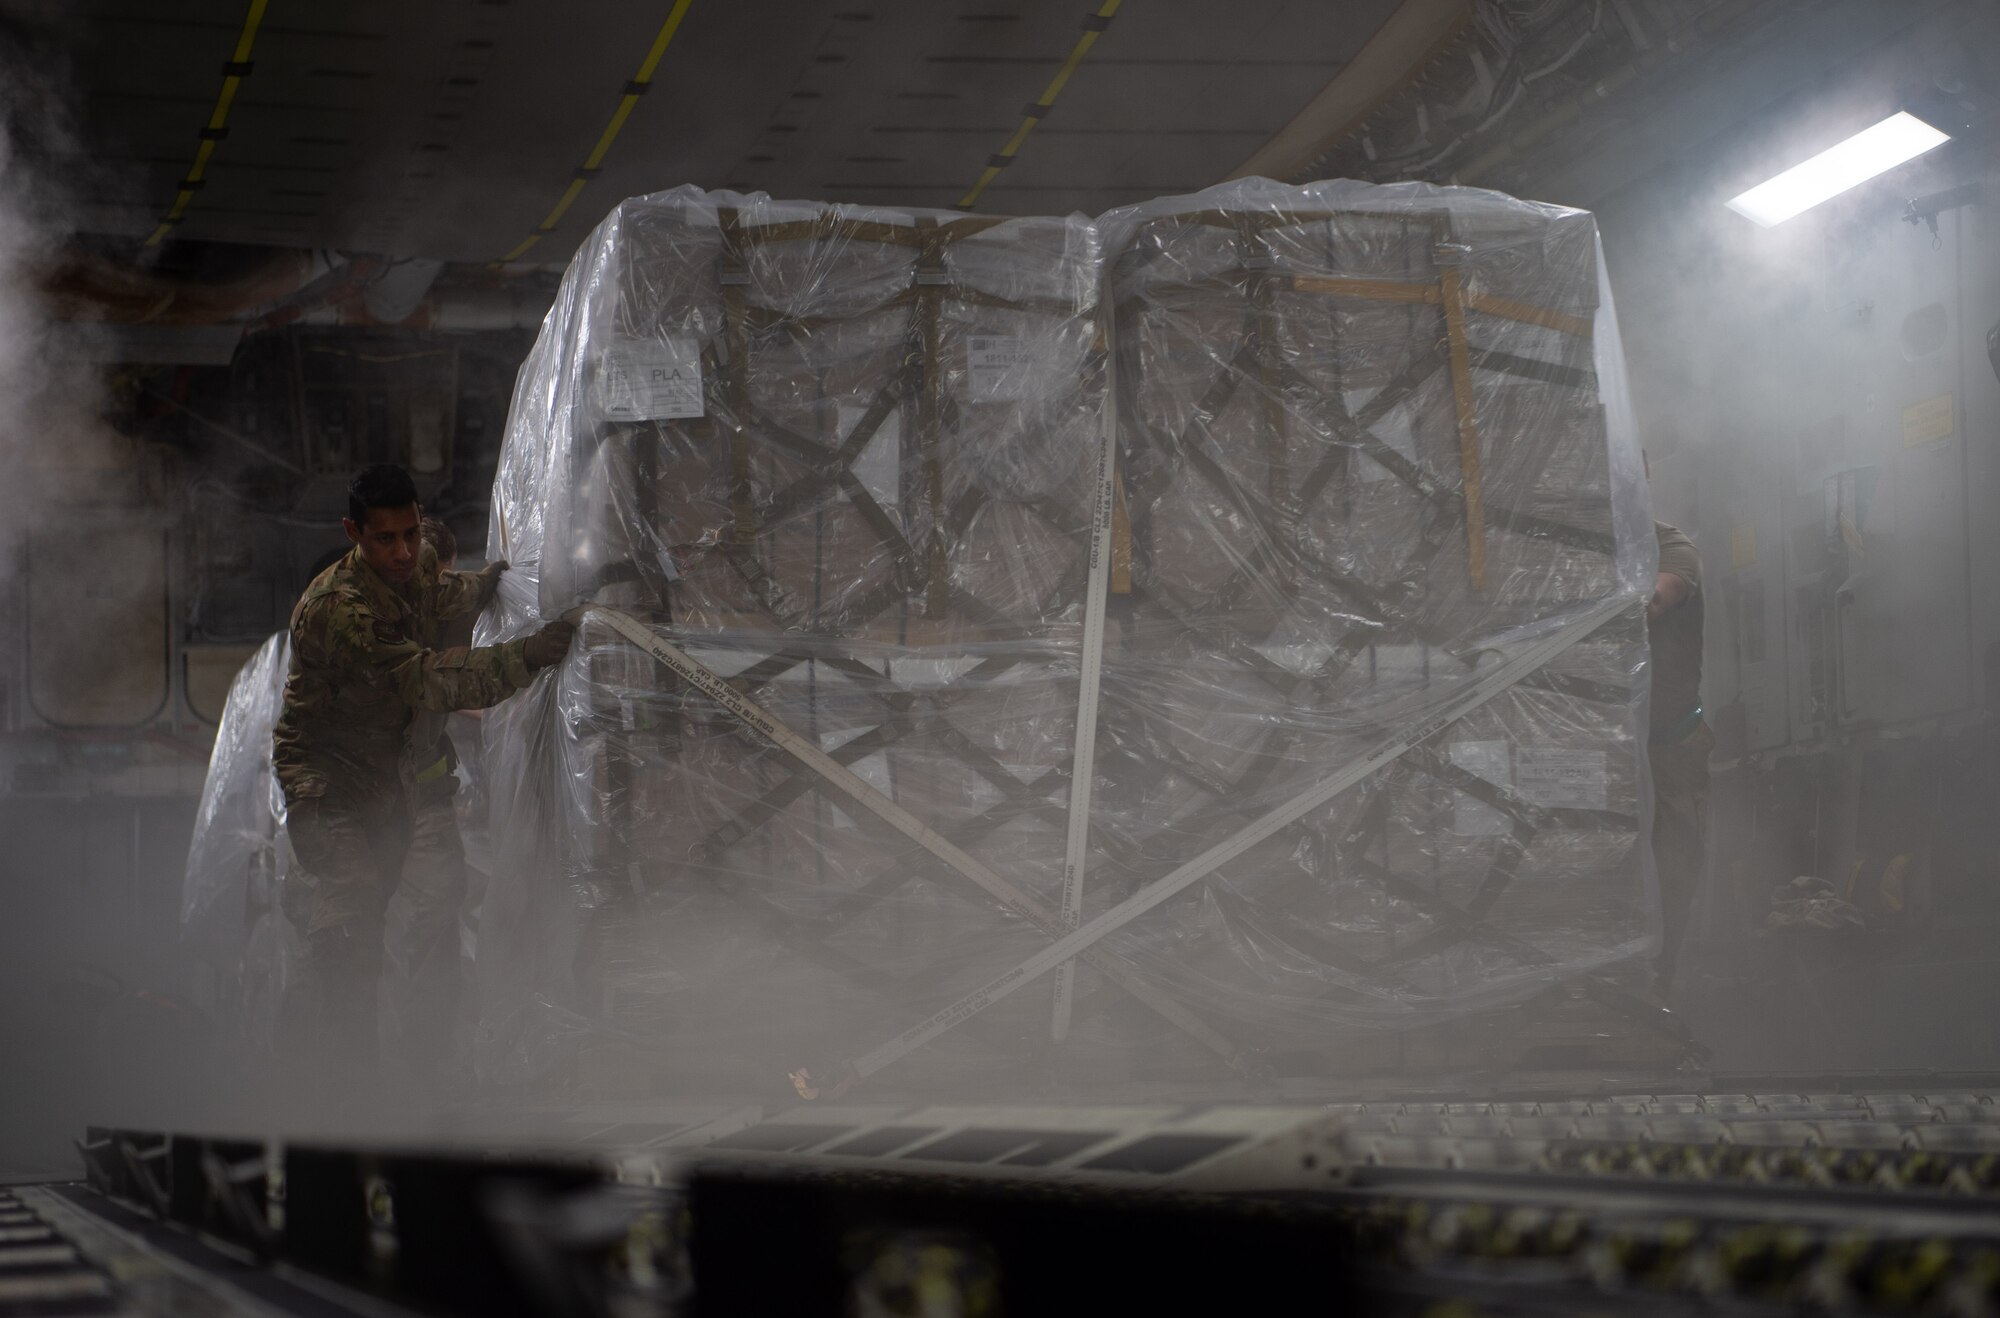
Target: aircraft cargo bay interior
[[984, 657]]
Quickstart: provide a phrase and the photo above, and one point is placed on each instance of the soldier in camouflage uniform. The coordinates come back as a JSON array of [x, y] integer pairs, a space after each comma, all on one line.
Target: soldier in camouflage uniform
[[1678, 742], [362, 670]]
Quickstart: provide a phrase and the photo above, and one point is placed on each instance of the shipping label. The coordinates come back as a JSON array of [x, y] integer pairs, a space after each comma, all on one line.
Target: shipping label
[[999, 367], [652, 380], [1560, 778]]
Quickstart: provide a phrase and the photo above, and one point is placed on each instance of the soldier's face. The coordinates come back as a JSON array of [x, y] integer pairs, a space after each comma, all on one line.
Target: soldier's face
[[390, 541]]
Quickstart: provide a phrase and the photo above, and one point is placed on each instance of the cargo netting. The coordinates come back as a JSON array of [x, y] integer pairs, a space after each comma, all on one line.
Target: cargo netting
[[1208, 634]]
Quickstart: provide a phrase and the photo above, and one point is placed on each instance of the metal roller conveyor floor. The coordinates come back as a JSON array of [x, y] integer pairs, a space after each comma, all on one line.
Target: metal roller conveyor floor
[[1827, 1197]]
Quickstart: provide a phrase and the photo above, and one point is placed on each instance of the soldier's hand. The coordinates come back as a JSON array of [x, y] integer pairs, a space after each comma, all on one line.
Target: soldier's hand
[[489, 579], [548, 645], [1668, 591]]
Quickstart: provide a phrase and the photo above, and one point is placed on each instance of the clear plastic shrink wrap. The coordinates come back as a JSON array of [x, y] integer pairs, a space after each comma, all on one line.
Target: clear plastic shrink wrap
[[238, 857], [848, 460], [1319, 389]]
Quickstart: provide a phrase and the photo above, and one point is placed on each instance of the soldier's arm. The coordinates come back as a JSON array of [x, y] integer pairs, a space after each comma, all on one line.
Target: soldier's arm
[[1680, 570], [459, 593], [1678, 555], [344, 635]]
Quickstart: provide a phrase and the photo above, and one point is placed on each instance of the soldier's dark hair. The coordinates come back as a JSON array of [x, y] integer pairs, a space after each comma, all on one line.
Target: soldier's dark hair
[[439, 537], [384, 485]]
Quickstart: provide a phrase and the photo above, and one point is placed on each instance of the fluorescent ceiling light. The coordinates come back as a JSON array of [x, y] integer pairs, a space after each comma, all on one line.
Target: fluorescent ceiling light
[[1902, 136]]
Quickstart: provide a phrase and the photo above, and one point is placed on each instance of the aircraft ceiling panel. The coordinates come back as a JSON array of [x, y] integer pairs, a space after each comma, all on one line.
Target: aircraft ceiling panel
[[452, 130]]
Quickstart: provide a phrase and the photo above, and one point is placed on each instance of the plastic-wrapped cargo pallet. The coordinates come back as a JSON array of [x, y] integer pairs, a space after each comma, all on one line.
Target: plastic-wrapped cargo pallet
[[839, 483], [841, 456], [1376, 439]]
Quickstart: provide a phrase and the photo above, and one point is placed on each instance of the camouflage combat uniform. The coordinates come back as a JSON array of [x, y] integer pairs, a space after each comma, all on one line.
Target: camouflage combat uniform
[[362, 672], [1678, 745], [423, 975]]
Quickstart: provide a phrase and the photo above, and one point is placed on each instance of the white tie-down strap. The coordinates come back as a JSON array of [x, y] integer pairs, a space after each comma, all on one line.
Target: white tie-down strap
[[1478, 691], [1083, 763], [801, 748]]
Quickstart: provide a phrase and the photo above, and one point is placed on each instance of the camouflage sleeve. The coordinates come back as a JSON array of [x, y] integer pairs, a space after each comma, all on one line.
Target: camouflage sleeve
[[458, 593], [1678, 554], [344, 635]]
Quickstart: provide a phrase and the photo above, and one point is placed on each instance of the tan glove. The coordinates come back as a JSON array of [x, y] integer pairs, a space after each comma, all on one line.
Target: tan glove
[[489, 580], [549, 645]]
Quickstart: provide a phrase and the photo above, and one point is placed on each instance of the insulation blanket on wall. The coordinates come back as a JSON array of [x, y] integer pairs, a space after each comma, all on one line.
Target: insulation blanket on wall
[[1370, 443]]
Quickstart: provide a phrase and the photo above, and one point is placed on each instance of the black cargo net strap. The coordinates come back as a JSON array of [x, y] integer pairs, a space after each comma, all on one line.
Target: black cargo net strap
[[1254, 283], [1437, 224], [735, 279], [1282, 387], [1280, 544], [926, 364], [897, 701], [1277, 549], [1471, 695], [919, 571], [810, 934], [1239, 798], [1020, 798], [924, 571], [860, 793], [1524, 820]]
